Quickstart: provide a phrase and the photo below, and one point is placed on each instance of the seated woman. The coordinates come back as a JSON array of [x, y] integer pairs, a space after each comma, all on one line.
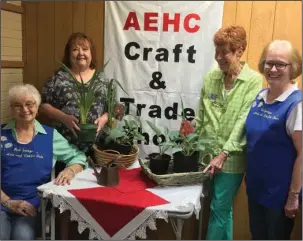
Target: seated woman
[[29, 151], [274, 145]]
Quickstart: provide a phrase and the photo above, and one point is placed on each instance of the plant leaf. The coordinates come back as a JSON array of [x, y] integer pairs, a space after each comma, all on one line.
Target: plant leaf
[[173, 134], [116, 133], [169, 143], [154, 128], [201, 148], [105, 65], [191, 137], [177, 149], [120, 86], [183, 114]]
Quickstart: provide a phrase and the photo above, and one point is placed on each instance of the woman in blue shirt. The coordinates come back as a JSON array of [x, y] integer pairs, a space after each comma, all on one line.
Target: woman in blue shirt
[[29, 151], [274, 145]]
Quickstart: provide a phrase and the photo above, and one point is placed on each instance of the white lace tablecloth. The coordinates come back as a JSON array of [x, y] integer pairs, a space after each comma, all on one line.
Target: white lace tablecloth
[[181, 200]]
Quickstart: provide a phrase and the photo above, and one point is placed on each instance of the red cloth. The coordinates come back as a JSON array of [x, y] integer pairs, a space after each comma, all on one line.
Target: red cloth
[[114, 207]]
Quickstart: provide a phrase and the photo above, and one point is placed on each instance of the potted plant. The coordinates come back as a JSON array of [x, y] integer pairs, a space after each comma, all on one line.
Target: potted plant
[[124, 135], [159, 161], [111, 136], [187, 145], [117, 114], [85, 97]]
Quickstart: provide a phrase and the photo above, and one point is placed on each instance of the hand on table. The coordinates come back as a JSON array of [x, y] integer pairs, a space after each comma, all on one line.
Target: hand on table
[[64, 177]]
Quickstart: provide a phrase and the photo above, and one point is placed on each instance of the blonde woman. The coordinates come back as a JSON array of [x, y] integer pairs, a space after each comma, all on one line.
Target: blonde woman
[[274, 145]]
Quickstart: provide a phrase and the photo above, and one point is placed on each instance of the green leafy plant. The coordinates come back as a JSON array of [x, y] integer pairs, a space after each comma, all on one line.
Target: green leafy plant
[[85, 95], [187, 140], [166, 133], [126, 132]]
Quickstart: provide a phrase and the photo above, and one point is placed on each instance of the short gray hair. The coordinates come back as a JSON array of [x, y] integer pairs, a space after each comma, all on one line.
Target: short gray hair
[[20, 90]]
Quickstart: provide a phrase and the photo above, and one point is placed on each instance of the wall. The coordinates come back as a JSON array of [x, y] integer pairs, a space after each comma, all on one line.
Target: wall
[[45, 48], [11, 52], [265, 21], [46, 36]]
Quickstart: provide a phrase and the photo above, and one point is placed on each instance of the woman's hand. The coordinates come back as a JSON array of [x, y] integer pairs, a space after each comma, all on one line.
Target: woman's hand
[[101, 121], [65, 177], [71, 123], [22, 207], [292, 205], [216, 164]]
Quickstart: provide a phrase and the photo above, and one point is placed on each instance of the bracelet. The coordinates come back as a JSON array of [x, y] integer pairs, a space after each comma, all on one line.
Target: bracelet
[[5, 203], [73, 171], [292, 191]]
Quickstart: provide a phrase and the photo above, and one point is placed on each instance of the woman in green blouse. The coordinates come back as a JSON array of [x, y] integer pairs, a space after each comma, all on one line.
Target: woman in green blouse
[[226, 97]]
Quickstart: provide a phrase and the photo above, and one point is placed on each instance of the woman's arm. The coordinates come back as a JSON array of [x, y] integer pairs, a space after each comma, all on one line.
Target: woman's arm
[[292, 204], [65, 176], [296, 180], [101, 121], [52, 113], [20, 207], [70, 121], [74, 159], [237, 141], [48, 110], [4, 197]]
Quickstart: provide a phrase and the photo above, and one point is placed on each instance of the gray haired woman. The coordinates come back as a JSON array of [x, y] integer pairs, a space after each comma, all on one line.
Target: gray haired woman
[[29, 151]]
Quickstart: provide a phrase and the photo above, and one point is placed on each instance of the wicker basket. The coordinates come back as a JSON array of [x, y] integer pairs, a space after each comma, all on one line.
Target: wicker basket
[[174, 179], [102, 157]]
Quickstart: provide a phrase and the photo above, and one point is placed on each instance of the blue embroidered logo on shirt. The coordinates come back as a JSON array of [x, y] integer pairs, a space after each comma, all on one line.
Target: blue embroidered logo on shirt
[[212, 96]]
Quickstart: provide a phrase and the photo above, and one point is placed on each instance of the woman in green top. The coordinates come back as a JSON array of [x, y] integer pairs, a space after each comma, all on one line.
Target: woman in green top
[[226, 96]]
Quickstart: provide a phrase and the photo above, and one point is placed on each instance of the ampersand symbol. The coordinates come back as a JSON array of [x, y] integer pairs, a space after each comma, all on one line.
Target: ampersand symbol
[[155, 83]]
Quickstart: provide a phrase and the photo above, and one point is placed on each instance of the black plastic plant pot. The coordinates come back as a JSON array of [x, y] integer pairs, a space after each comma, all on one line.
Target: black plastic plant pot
[[87, 132], [158, 164], [186, 163], [123, 149], [101, 141]]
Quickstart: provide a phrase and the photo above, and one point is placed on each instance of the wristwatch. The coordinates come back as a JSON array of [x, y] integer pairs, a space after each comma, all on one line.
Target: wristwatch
[[5, 203]]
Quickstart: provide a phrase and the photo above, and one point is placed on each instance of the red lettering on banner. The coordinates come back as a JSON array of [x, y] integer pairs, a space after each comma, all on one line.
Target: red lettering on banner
[[175, 21], [151, 21], [148, 20], [187, 20], [131, 21]]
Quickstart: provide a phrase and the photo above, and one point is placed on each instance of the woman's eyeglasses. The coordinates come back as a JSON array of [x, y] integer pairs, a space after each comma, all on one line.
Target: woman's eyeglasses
[[279, 65], [28, 105]]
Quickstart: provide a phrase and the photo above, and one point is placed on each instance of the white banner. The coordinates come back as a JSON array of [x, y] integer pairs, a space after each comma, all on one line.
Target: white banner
[[159, 50]]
